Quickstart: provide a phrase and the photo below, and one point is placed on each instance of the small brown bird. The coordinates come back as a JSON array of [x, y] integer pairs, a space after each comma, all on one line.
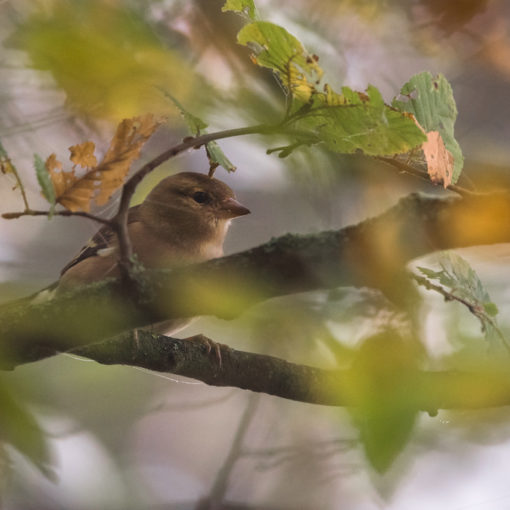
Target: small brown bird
[[184, 219]]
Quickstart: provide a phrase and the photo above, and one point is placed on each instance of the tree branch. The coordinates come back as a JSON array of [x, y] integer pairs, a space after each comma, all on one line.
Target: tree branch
[[372, 253], [277, 377], [31, 212]]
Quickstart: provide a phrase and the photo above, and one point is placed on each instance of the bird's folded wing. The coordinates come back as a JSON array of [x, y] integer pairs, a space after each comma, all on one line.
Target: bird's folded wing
[[102, 242]]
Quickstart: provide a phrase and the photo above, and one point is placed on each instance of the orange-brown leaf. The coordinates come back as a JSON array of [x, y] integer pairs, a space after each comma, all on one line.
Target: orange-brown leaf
[[83, 154], [68, 191], [125, 148], [100, 181], [439, 159]]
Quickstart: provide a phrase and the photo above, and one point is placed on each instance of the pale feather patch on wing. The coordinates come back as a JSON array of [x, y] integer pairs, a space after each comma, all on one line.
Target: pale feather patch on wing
[[106, 252]]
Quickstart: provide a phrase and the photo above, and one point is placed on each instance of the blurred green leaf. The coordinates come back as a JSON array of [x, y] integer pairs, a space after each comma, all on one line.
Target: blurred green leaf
[[44, 179], [195, 124], [20, 429], [246, 7], [430, 99], [384, 389]]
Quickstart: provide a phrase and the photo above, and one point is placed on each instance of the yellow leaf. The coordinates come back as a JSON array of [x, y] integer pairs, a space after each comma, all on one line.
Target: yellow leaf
[[83, 154], [105, 56], [439, 159], [100, 181]]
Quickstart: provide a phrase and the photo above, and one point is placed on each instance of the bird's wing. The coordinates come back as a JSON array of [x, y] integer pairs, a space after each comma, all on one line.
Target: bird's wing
[[103, 239]]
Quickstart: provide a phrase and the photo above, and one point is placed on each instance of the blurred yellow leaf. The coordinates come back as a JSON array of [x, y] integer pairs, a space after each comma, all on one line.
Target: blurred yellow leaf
[[77, 192], [106, 57]]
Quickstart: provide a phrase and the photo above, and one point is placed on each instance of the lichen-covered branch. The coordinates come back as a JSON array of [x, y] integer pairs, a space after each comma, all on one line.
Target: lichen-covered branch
[[371, 253], [277, 377]]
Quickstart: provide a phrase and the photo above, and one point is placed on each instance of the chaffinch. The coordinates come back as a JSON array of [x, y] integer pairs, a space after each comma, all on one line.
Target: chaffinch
[[184, 219]]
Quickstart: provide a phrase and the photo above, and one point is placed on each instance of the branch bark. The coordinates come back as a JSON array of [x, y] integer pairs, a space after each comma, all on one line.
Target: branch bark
[[371, 253], [266, 374]]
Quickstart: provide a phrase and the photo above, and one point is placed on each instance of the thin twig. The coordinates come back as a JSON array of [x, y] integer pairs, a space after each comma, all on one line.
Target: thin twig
[[219, 488], [31, 212]]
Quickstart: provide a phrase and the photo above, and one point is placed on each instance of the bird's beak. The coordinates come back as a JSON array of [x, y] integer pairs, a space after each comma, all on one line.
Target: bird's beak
[[234, 208]]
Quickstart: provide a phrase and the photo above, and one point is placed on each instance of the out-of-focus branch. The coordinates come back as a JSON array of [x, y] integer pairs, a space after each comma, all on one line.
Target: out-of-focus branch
[[216, 496], [372, 253], [274, 376]]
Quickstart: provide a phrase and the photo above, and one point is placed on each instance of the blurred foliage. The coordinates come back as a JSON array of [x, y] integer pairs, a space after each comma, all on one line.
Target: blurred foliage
[[19, 428], [107, 59], [384, 386], [112, 62]]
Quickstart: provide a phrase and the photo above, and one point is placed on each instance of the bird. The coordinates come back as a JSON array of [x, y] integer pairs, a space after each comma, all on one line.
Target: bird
[[183, 220]]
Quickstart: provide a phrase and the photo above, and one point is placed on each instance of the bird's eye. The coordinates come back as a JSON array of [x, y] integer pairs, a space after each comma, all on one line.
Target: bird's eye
[[201, 197]]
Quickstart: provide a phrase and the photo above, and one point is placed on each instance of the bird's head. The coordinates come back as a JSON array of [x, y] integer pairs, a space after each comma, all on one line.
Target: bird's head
[[194, 201]]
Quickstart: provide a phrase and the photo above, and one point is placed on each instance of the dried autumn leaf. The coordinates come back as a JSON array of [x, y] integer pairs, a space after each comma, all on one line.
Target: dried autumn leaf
[[77, 192], [125, 147], [439, 159], [68, 190], [83, 154]]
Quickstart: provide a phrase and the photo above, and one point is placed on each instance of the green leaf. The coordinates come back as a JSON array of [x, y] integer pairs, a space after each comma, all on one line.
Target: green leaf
[[277, 49], [352, 121], [20, 429], [43, 177], [246, 7], [462, 282], [430, 99], [217, 157]]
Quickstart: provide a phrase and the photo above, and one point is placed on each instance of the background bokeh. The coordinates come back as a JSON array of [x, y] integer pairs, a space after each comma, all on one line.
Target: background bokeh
[[123, 438]]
